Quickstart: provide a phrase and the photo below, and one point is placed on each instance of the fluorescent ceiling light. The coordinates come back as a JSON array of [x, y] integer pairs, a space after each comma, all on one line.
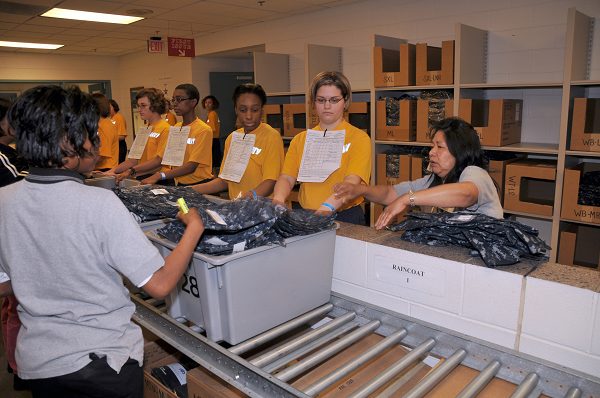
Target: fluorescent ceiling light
[[18, 44], [90, 16]]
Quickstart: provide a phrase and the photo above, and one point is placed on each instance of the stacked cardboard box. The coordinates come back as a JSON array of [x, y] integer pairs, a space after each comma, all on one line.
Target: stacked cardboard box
[[423, 122], [497, 121], [585, 127], [405, 130], [435, 65], [571, 209], [394, 68], [529, 187], [578, 245]]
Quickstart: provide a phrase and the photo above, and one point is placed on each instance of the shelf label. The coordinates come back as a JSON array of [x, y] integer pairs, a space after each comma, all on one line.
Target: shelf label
[[592, 215], [591, 142]]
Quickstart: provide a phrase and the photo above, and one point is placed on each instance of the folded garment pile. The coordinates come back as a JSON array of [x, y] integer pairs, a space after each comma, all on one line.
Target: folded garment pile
[[230, 226], [498, 241], [247, 223], [589, 189], [152, 202]]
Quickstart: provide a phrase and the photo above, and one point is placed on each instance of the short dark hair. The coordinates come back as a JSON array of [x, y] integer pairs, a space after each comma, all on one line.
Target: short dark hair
[[4, 107], [250, 88], [190, 90], [158, 103], [115, 105], [103, 104], [51, 123], [463, 143], [214, 100]]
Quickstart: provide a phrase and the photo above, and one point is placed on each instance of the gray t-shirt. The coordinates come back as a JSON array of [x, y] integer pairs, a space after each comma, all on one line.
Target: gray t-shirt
[[488, 201], [64, 246]]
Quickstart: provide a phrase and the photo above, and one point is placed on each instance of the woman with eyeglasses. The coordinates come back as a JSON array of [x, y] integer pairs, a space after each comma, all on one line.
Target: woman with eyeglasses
[[151, 105], [330, 97], [258, 176], [197, 160]]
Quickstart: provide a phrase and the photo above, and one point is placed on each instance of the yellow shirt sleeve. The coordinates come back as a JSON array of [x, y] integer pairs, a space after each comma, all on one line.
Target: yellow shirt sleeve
[[213, 121]]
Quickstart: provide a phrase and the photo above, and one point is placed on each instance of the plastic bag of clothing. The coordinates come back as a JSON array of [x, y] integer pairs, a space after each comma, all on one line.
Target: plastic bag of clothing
[[498, 241]]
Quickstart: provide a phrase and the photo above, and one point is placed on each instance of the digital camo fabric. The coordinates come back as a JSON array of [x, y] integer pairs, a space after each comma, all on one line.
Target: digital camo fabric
[[230, 226], [498, 241]]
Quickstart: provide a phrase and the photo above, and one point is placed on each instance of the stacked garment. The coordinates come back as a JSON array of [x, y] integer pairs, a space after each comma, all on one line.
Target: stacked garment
[[497, 241], [152, 202], [229, 227], [248, 223]]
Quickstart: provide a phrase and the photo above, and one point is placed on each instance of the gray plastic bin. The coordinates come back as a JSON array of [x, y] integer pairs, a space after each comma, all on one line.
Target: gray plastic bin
[[110, 182], [238, 296]]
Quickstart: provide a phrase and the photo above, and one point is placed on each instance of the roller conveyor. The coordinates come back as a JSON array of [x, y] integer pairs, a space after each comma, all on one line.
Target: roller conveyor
[[267, 374]]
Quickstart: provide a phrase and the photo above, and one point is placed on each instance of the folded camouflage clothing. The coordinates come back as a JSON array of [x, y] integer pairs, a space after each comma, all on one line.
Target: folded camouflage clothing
[[498, 241]]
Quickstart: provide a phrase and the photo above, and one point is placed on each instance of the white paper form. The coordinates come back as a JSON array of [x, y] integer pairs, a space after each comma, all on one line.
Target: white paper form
[[176, 145], [322, 155], [238, 156], [141, 139]]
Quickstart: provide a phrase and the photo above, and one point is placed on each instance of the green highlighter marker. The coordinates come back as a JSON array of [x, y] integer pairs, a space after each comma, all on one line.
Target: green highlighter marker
[[182, 206]]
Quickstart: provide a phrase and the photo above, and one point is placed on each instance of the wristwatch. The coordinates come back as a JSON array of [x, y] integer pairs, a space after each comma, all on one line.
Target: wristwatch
[[132, 171], [411, 198]]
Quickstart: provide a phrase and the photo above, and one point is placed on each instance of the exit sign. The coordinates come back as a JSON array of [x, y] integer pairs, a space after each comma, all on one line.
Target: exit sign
[[155, 46]]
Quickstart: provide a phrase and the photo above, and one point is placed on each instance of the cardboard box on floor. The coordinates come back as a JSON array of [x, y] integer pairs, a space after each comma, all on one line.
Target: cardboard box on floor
[[497, 121], [394, 68], [203, 384], [423, 125], [273, 115], [291, 114], [585, 125], [578, 245], [351, 383], [529, 186], [435, 65], [571, 210], [157, 353], [406, 130]]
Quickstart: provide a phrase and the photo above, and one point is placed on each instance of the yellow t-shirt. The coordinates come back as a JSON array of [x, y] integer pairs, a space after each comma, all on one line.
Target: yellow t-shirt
[[157, 142], [356, 160], [265, 161], [171, 118], [109, 144], [119, 121], [199, 150], [215, 124]]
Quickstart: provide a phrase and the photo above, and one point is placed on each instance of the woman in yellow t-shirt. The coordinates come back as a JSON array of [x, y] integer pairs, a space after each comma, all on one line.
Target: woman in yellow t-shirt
[[330, 96], [108, 152], [119, 121], [151, 105], [266, 159], [211, 104]]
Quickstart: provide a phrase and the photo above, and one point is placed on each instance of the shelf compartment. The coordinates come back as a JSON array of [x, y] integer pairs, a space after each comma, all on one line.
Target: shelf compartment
[[585, 126], [571, 209], [435, 65], [578, 245], [497, 121], [393, 62], [529, 187], [406, 127]]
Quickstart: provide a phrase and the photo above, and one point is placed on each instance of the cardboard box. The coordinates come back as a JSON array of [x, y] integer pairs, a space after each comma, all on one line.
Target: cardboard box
[[404, 168], [393, 68], [585, 126], [157, 353], [435, 65], [203, 384], [346, 386], [578, 245], [273, 116], [406, 130], [571, 209], [294, 119], [497, 171], [359, 115], [529, 187], [423, 122], [497, 121], [416, 167]]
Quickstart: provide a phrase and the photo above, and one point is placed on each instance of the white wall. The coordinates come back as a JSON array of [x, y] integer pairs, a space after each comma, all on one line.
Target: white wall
[[526, 41]]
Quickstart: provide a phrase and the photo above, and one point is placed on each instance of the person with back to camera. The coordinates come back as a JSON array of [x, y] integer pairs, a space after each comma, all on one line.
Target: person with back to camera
[[64, 260], [330, 95], [109, 136], [151, 104], [211, 104], [197, 161], [121, 124], [458, 180], [266, 155]]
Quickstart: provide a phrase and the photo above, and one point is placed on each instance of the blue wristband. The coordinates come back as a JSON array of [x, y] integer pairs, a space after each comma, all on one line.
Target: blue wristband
[[329, 206], [254, 195]]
